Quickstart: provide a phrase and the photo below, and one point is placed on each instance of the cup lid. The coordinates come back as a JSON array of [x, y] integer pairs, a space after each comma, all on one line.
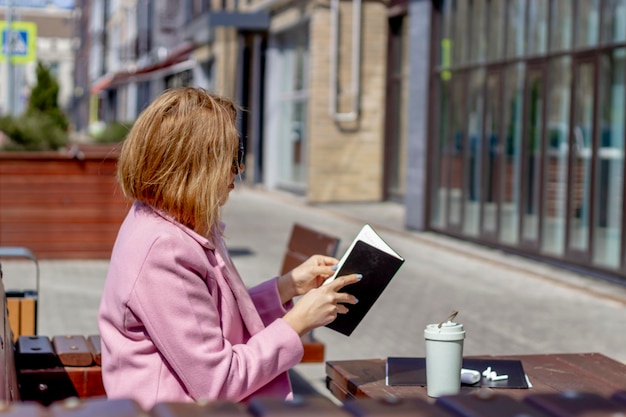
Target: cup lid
[[448, 331]]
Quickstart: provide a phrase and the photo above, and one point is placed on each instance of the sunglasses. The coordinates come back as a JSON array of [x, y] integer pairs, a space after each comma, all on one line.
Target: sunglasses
[[238, 163]]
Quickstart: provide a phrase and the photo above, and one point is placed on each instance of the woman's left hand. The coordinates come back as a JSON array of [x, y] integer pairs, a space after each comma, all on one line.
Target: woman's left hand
[[306, 276]]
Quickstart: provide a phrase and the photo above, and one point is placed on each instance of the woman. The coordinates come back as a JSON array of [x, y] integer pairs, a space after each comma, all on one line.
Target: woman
[[176, 321]]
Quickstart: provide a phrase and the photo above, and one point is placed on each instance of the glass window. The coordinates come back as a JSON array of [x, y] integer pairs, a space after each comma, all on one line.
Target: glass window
[[537, 27], [561, 24], [588, 17], [610, 175], [516, 25], [444, 148], [397, 142], [294, 55], [459, 12], [458, 109], [495, 44], [583, 153], [557, 157], [614, 21], [534, 103], [492, 140], [478, 31], [512, 109], [473, 152]]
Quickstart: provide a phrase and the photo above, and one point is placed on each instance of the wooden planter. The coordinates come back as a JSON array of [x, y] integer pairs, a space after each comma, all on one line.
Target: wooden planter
[[61, 205]]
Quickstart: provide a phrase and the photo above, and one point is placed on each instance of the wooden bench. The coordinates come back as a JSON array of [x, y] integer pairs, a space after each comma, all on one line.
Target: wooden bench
[[304, 242]]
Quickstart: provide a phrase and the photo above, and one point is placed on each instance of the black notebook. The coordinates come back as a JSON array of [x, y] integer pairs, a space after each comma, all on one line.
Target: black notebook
[[371, 257], [412, 371]]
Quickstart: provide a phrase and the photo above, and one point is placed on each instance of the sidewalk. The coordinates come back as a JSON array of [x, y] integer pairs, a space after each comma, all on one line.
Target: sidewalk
[[508, 304]]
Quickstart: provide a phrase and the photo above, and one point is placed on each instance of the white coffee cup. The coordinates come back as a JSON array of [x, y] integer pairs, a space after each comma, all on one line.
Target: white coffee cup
[[444, 357]]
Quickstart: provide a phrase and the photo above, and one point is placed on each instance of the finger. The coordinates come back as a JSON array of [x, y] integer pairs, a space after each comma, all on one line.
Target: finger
[[346, 298], [322, 270], [344, 280], [341, 309], [326, 260]]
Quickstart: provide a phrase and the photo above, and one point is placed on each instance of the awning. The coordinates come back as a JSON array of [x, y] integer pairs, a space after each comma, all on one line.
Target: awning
[[177, 61]]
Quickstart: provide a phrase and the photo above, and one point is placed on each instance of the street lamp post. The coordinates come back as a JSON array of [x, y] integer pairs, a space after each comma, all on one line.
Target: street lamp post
[[9, 52]]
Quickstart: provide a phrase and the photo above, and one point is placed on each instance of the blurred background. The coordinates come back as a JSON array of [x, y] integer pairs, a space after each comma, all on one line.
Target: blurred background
[[498, 122]]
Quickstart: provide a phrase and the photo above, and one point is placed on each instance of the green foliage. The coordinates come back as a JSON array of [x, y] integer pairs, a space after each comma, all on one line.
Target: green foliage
[[44, 97], [113, 132], [43, 127], [32, 132]]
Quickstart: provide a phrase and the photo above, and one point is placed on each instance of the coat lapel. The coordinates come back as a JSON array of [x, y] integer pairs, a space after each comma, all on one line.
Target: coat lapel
[[247, 309]]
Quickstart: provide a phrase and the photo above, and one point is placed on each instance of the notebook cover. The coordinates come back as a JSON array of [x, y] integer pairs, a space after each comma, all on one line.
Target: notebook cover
[[377, 268]]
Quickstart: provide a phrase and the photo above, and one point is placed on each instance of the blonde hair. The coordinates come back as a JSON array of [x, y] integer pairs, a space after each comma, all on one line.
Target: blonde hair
[[179, 154]]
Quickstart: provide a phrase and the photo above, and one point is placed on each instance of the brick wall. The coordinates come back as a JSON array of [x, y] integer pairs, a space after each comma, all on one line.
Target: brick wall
[[346, 159]]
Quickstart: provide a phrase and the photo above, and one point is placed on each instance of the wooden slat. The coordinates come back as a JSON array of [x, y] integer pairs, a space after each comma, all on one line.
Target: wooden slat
[[572, 404], [308, 406], [72, 350], [93, 341], [393, 407], [96, 407], [35, 352], [199, 409], [48, 385], [486, 403]]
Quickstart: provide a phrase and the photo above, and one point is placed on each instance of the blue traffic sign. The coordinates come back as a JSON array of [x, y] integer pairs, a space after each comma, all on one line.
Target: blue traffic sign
[[18, 42], [15, 42]]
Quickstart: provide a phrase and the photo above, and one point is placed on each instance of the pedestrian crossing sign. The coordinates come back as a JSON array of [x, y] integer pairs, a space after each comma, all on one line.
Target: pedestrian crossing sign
[[18, 41]]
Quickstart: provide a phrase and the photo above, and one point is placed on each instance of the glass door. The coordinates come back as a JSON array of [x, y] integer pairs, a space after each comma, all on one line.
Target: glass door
[[582, 161], [491, 156], [396, 142], [532, 157]]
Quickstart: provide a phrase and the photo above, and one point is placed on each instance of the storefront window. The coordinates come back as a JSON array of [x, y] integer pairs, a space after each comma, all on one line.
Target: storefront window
[[532, 144], [294, 55], [478, 31], [459, 11], [496, 19], [473, 153], [614, 21], [492, 138], [531, 129], [537, 27], [516, 28], [511, 172], [587, 23], [610, 166], [582, 149], [557, 157], [561, 24], [445, 152], [396, 143]]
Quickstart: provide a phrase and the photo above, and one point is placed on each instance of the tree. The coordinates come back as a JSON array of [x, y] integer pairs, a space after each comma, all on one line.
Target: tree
[[44, 98], [43, 126]]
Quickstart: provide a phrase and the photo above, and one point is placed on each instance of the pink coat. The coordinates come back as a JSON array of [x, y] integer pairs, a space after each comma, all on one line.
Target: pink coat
[[178, 324]]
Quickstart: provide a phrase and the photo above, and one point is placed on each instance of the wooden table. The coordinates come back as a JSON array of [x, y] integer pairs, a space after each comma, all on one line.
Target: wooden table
[[585, 377]]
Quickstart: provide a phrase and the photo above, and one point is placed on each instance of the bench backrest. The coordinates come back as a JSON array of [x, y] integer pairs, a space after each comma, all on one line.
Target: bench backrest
[[305, 242]]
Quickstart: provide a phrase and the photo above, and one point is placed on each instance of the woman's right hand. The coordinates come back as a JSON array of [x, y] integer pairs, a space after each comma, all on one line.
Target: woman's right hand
[[320, 306]]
